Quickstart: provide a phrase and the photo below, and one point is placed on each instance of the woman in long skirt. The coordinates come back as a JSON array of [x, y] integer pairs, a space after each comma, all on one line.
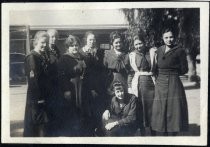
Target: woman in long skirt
[[53, 54], [71, 68], [142, 84], [94, 87], [36, 70], [170, 111]]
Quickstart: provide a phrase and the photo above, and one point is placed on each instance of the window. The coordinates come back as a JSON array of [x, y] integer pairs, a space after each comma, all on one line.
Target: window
[[18, 45]]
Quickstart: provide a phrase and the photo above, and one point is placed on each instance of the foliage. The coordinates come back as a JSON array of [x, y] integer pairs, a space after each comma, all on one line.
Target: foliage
[[150, 22]]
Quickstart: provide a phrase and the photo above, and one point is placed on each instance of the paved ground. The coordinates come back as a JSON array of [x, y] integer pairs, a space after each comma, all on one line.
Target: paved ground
[[18, 100], [17, 109]]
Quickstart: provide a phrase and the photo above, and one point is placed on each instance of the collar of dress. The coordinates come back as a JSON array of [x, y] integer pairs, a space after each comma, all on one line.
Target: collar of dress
[[117, 52], [170, 50]]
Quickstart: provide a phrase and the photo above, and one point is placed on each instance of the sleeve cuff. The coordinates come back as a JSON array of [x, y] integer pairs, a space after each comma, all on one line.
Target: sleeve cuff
[[120, 122]]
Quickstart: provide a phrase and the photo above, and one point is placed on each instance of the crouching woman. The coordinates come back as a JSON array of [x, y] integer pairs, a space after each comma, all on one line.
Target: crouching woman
[[120, 119]]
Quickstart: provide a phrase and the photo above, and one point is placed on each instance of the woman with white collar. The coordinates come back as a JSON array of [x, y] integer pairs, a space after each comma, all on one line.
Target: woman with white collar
[[93, 80]]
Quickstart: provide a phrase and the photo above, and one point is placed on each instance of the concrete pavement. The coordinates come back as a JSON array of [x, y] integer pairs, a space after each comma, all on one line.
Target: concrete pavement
[[18, 101]]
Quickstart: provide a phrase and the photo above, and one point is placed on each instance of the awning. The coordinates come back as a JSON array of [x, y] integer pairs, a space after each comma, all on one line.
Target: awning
[[73, 19]]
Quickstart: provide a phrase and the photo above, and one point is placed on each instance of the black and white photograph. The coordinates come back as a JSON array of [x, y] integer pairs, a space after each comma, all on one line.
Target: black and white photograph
[[105, 73]]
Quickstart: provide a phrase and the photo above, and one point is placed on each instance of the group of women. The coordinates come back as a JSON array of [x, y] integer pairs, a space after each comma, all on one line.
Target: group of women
[[88, 91]]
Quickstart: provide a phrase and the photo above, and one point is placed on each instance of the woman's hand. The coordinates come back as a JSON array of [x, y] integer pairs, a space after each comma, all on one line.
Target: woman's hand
[[78, 69], [67, 95], [106, 115], [130, 90], [111, 125]]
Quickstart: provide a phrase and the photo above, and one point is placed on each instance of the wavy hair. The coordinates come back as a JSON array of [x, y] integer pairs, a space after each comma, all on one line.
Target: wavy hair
[[39, 35], [114, 35], [71, 40]]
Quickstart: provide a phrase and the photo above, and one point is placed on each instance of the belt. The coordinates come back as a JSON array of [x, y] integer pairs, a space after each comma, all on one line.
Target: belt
[[145, 73], [135, 81], [168, 71]]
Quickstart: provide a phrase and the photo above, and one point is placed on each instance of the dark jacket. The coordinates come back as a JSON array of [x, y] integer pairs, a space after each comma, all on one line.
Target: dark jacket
[[53, 54], [118, 68], [127, 114], [94, 73], [71, 73], [175, 59]]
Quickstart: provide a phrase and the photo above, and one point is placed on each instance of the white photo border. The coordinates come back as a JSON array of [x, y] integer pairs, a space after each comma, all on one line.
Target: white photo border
[[178, 140]]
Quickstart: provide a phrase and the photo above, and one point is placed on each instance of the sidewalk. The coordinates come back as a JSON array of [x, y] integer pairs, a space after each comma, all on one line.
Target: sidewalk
[[17, 109]]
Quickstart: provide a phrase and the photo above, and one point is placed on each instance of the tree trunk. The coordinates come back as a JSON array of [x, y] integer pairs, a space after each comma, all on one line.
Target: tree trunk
[[192, 74]]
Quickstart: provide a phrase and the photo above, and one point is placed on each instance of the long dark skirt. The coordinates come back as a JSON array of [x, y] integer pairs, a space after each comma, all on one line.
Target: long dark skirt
[[71, 110], [53, 106], [98, 106], [35, 121], [170, 110], [69, 119], [146, 97]]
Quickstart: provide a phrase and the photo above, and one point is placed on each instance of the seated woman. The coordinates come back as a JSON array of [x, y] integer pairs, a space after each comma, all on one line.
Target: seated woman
[[120, 119]]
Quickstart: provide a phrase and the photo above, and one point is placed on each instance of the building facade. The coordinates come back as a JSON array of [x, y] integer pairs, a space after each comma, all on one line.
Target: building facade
[[75, 22]]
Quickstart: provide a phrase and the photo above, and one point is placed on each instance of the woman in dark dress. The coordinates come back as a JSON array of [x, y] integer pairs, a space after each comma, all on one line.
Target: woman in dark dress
[[36, 70], [53, 55], [94, 88], [120, 118], [116, 61], [142, 83], [170, 111], [71, 68]]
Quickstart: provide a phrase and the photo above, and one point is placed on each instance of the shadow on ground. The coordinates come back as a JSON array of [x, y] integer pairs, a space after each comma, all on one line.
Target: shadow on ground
[[16, 130], [194, 130], [189, 87]]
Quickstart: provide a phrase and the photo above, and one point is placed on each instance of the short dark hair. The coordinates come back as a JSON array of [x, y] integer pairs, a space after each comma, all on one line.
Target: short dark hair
[[168, 29], [71, 40], [114, 35], [117, 85]]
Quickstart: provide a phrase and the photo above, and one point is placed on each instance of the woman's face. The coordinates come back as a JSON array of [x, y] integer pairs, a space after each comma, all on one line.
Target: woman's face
[[139, 45], [73, 49], [91, 40], [53, 37], [168, 38], [117, 44], [42, 43], [119, 93]]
